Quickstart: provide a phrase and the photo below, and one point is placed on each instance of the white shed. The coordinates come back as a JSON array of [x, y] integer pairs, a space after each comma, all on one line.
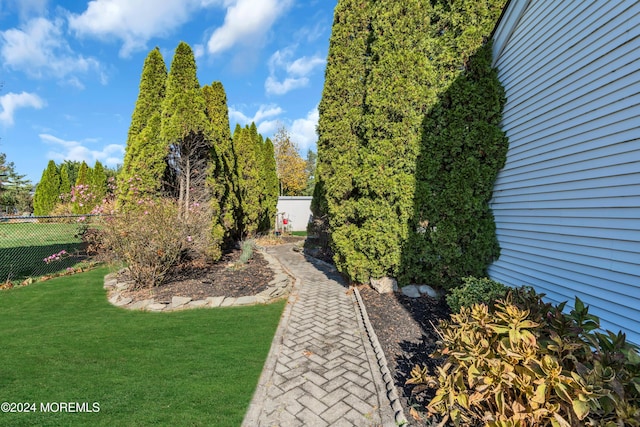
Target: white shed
[[567, 203], [297, 209]]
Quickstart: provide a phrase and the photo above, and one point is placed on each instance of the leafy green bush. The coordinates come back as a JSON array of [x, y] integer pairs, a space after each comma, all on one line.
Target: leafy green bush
[[474, 291], [526, 363]]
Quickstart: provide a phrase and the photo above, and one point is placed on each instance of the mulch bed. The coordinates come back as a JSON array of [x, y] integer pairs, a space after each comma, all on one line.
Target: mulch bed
[[405, 329], [199, 281]]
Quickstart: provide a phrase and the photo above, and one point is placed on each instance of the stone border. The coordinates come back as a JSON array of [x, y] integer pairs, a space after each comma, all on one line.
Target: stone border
[[392, 393], [279, 287]]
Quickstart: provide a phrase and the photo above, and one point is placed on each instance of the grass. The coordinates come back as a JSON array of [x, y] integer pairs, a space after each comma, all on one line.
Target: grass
[[23, 246], [63, 342], [27, 234], [299, 233]]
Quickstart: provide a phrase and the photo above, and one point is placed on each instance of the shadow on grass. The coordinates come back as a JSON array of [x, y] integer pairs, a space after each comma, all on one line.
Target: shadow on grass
[[18, 263]]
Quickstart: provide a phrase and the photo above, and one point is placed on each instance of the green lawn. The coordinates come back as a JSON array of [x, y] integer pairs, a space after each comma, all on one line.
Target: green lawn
[[63, 342], [23, 246]]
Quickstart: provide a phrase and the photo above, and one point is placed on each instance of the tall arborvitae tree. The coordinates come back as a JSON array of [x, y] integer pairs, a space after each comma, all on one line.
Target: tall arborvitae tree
[[186, 130], [82, 192], [452, 233], [249, 157], [340, 129], [47, 192], [223, 176], [65, 182], [98, 182], [388, 63], [145, 157], [270, 190]]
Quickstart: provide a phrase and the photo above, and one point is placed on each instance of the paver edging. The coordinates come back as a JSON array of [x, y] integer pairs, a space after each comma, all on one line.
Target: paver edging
[[387, 379], [279, 288]]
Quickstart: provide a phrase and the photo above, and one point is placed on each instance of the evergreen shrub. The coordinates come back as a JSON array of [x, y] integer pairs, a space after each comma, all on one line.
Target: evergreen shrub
[[473, 291], [409, 142]]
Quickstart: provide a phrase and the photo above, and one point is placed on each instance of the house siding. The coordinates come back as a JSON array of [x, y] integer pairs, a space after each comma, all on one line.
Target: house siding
[[567, 202]]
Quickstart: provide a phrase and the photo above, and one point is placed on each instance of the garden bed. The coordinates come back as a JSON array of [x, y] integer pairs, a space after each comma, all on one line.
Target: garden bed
[[404, 327]]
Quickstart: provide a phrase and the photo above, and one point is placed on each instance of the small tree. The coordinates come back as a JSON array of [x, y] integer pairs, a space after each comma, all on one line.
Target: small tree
[[310, 171], [47, 191], [289, 164]]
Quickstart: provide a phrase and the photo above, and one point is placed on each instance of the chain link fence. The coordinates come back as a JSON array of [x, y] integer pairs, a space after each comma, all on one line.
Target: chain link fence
[[38, 246]]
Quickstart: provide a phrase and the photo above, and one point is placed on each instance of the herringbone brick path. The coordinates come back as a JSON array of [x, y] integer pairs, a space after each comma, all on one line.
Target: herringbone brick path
[[322, 372]]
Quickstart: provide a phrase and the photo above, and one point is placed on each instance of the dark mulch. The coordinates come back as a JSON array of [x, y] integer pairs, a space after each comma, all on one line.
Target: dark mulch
[[404, 327], [198, 280]]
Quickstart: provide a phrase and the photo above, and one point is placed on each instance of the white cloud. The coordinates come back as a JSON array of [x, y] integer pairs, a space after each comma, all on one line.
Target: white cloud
[[134, 22], [297, 71], [303, 131], [39, 49], [110, 155], [12, 101], [264, 112], [246, 22]]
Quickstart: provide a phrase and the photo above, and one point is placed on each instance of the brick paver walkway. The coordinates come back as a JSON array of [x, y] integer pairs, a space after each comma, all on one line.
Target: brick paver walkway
[[321, 370]]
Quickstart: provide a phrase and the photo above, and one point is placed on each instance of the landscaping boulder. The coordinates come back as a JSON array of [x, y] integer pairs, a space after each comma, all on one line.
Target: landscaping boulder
[[384, 285]]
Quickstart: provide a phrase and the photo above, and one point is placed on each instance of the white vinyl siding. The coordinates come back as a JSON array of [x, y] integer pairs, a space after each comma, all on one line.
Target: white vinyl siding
[[567, 203]]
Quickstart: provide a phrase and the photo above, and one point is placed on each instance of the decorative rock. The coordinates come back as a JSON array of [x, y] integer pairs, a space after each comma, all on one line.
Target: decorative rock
[[214, 301], [179, 301], [384, 285], [197, 303], [123, 301], [411, 291], [121, 286], [114, 298], [246, 300], [426, 289], [228, 302], [110, 283], [156, 307], [140, 305]]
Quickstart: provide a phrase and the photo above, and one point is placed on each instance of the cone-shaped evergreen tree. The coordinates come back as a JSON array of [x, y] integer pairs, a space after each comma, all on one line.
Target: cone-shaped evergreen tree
[[249, 156], [340, 127], [98, 183], [270, 190], [47, 193], [388, 63], [186, 129], [145, 157], [83, 199], [223, 177], [65, 182]]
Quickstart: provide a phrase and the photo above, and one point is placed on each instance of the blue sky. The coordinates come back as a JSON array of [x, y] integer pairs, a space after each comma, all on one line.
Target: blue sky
[[70, 69]]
